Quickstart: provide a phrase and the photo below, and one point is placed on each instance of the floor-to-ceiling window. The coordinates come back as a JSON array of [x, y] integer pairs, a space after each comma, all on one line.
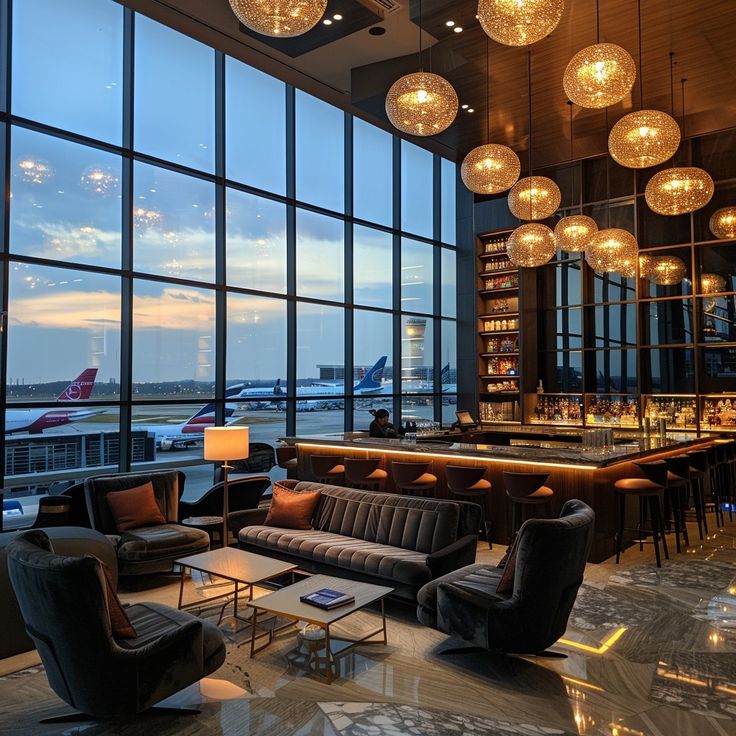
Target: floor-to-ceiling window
[[191, 241]]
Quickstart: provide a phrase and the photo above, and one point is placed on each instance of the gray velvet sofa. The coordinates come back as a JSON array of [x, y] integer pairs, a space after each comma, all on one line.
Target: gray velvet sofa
[[550, 562], [380, 538], [65, 540], [149, 549]]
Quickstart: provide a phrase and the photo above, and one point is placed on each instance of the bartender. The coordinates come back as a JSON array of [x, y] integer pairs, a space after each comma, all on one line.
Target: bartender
[[380, 426]]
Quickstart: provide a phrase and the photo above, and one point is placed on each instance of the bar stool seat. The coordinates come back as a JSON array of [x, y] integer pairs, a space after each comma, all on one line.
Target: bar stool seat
[[638, 486], [414, 479], [328, 469], [525, 490], [364, 473], [287, 460], [466, 483]]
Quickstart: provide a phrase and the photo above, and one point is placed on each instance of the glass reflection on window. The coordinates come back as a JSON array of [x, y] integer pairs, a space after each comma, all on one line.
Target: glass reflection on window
[[256, 242], [65, 200], [373, 349], [417, 189], [320, 352], [320, 245], [449, 193], [417, 268], [372, 267], [372, 173], [449, 282], [174, 224]]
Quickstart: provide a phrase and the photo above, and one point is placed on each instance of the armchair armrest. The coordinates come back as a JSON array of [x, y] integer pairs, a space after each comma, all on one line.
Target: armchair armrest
[[248, 517], [456, 555]]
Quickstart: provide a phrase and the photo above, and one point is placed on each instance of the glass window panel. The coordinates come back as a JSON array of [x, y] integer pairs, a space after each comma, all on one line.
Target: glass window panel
[[716, 153], [612, 287], [319, 416], [73, 316], [174, 96], [256, 242], [68, 65], [562, 371], [615, 371], [418, 410], [619, 214], [717, 260], [417, 284], [449, 282], [448, 357], [320, 352], [718, 369], [372, 267], [667, 322], [449, 217], [417, 340], [648, 288], [615, 325], [718, 318], [320, 154], [668, 371], [655, 230], [255, 147], [362, 407], [605, 179], [320, 246], [173, 340], [417, 190], [65, 200], [560, 283], [372, 173], [724, 196], [174, 224], [569, 328], [372, 347]]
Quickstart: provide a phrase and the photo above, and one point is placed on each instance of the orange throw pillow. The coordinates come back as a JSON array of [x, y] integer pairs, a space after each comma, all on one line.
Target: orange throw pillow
[[119, 621], [291, 509], [135, 507]]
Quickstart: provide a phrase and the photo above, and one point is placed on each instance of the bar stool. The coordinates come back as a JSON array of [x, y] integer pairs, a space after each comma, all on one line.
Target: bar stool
[[414, 479], [328, 469], [730, 475], [526, 490], [651, 489], [364, 474], [719, 483], [468, 484], [678, 484], [286, 459], [714, 459], [699, 468]]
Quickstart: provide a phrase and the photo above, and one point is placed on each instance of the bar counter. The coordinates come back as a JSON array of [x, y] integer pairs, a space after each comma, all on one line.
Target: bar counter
[[574, 471]]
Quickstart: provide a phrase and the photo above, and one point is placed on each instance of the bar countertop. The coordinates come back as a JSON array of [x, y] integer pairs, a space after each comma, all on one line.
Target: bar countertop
[[628, 446]]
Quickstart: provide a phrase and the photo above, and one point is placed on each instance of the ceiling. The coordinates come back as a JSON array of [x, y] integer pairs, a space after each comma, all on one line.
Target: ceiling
[[352, 68]]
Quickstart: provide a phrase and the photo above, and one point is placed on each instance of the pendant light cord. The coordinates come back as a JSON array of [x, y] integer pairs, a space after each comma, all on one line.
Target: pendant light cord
[[608, 181], [531, 168], [421, 68], [672, 96], [641, 68], [488, 92], [597, 22], [682, 125], [572, 156]]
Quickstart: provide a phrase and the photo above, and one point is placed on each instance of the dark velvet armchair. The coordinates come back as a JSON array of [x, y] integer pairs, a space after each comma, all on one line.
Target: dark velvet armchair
[[150, 549], [66, 612], [244, 495], [550, 561]]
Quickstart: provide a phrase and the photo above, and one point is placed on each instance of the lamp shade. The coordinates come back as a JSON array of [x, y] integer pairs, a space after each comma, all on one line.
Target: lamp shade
[[421, 103], [611, 250], [679, 190], [519, 22], [282, 18], [667, 270], [644, 138], [599, 75], [490, 169], [712, 283], [573, 233], [723, 223], [226, 443], [534, 198], [531, 245]]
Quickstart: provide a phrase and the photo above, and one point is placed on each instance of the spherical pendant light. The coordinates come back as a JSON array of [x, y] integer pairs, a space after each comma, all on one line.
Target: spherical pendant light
[[644, 138], [611, 250], [679, 190], [519, 22], [534, 198], [627, 268], [490, 169], [421, 104], [573, 233], [599, 75], [712, 283], [282, 18], [645, 264], [667, 270], [531, 245], [723, 223]]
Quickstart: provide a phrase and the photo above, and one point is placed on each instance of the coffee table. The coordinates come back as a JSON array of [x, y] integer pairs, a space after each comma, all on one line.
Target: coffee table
[[285, 603], [238, 567]]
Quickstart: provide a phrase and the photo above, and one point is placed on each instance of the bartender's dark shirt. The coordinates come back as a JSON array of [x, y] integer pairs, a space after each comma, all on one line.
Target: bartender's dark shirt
[[376, 430]]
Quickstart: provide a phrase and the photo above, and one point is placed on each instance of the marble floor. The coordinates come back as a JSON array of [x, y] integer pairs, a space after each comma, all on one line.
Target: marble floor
[[650, 653]]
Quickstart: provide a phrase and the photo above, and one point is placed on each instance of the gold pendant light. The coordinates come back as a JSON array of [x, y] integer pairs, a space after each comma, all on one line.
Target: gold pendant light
[[712, 283], [530, 245], [723, 223], [519, 22], [490, 168], [666, 270], [572, 233], [646, 137], [610, 250], [534, 198], [421, 103], [281, 18]]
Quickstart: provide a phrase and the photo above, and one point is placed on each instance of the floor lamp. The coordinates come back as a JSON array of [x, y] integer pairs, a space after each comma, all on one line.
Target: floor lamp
[[222, 444]]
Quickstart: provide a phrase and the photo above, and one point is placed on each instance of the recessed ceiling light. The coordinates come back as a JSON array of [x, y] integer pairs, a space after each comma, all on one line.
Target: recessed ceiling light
[[464, 107], [337, 16], [327, 22], [450, 23], [377, 31], [458, 29], [471, 109]]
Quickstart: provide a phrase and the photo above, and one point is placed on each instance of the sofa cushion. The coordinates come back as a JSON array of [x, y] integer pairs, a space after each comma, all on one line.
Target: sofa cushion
[[349, 553], [291, 509], [480, 579], [161, 542], [134, 507]]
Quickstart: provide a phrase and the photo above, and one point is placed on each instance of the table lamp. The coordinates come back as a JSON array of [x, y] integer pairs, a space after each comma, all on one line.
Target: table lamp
[[222, 444]]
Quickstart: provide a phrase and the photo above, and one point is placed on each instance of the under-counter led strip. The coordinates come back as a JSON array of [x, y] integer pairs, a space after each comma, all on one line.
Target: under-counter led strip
[[507, 461]]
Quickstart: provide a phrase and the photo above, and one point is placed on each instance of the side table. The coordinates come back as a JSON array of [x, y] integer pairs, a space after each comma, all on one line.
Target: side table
[[209, 524]]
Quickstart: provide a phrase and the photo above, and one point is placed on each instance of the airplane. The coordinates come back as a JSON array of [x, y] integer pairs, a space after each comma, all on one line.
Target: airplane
[[369, 385], [34, 421], [447, 387]]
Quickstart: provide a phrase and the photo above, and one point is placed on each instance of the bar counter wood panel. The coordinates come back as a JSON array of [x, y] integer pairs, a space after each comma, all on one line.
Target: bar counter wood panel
[[593, 485]]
